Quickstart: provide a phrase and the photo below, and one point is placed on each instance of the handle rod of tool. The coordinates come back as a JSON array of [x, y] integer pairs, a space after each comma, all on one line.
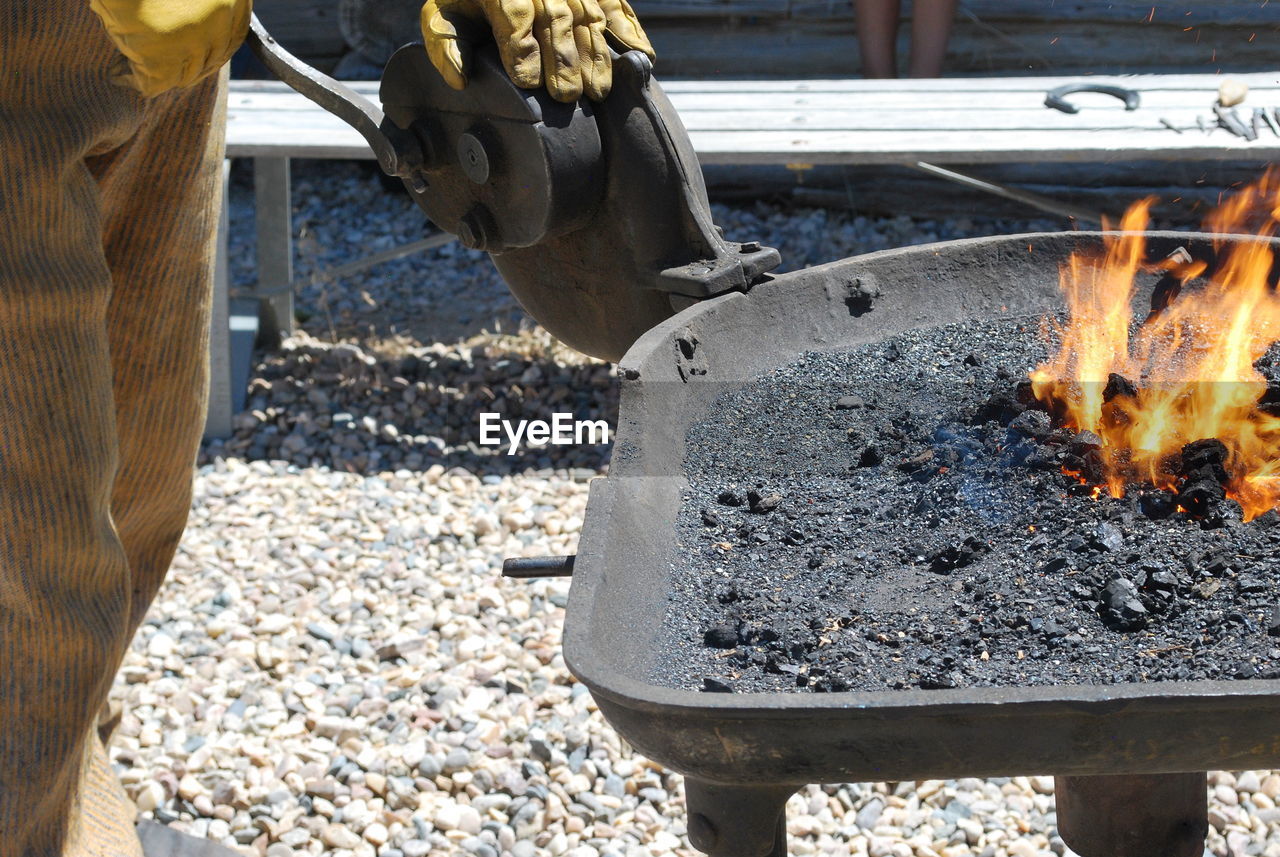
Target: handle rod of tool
[[346, 270], [539, 566], [337, 98], [1034, 200]]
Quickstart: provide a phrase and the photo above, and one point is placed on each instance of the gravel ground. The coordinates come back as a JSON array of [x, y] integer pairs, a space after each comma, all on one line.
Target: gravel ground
[[335, 667]]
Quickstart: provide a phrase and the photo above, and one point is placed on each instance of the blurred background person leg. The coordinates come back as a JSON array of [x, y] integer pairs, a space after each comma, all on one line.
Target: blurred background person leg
[[930, 29], [877, 23]]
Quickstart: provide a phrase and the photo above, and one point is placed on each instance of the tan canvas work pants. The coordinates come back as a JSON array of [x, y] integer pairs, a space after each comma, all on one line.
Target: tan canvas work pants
[[108, 210]]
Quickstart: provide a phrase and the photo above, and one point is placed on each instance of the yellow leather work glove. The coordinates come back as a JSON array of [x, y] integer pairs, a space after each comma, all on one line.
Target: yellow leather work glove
[[557, 43], [172, 43]]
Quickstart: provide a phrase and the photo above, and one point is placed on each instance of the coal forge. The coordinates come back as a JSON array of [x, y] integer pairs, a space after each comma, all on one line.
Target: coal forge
[[819, 486], [909, 515]]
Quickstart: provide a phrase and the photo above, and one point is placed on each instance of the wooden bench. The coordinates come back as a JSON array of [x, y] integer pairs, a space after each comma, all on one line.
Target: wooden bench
[[920, 123]]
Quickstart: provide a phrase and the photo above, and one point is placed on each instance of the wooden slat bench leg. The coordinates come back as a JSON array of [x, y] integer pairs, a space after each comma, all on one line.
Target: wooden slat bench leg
[[273, 210], [218, 422]]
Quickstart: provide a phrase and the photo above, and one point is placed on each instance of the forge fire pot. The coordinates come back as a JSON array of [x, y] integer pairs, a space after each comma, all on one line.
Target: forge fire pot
[[1128, 759]]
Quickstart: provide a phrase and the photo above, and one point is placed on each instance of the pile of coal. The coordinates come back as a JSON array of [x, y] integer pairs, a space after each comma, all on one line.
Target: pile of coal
[[914, 518]]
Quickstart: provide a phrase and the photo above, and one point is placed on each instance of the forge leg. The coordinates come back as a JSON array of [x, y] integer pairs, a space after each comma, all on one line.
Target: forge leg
[[1159, 815], [737, 820]]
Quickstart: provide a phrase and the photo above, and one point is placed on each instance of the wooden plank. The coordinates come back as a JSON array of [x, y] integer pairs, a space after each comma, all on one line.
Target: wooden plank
[[280, 108], [249, 92], [273, 213], [855, 121], [310, 127], [945, 122], [738, 96], [954, 108], [354, 150], [942, 139], [245, 88], [1144, 82], [217, 422], [257, 118], [959, 110], [897, 147]]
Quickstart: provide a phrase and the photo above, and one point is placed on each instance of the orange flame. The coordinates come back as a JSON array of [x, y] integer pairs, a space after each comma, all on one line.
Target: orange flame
[[1189, 365]]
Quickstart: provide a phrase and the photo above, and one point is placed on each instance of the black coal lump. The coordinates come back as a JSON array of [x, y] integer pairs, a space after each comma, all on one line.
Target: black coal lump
[[720, 637]]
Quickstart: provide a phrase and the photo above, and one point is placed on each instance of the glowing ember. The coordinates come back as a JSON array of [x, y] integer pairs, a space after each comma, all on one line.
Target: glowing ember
[[1186, 373]]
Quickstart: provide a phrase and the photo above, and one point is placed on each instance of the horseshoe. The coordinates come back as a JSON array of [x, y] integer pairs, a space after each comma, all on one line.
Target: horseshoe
[[1057, 98]]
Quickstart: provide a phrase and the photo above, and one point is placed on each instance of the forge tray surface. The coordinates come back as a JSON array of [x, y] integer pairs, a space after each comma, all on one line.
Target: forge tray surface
[[867, 519], [614, 622]]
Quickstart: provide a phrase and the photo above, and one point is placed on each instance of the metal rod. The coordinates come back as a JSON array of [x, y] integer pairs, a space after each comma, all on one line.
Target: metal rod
[[538, 566], [273, 218], [428, 243], [1034, 200], [388, 255], [1271, 122]]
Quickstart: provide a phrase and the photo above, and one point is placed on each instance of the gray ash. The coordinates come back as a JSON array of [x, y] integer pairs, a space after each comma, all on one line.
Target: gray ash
[[897, 516]]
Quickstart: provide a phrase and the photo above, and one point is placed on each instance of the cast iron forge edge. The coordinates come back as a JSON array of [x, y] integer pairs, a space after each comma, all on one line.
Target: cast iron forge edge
[[1129, 759]]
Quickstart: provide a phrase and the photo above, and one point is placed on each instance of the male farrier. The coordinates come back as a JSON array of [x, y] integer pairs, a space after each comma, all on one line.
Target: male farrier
[[111, 141]]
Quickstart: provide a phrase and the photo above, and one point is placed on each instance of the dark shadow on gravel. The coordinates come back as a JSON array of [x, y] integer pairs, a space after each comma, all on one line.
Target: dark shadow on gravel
[[411, 408]]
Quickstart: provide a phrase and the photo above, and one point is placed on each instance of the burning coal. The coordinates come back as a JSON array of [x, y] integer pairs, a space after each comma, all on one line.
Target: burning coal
[[1183, 379]]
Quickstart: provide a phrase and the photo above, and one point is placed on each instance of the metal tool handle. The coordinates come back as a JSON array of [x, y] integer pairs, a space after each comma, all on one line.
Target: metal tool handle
[[538, 566], [397, 152]]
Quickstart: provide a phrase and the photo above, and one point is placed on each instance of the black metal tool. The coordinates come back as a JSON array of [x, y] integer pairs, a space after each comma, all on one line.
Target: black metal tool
[[1057, 97], [1268, 118], [1228, 118], [596, 215], [538, 566], [398, 153]]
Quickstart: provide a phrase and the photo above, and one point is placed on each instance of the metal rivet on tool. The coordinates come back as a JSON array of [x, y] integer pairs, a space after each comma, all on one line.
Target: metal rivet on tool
[[473, 158]]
